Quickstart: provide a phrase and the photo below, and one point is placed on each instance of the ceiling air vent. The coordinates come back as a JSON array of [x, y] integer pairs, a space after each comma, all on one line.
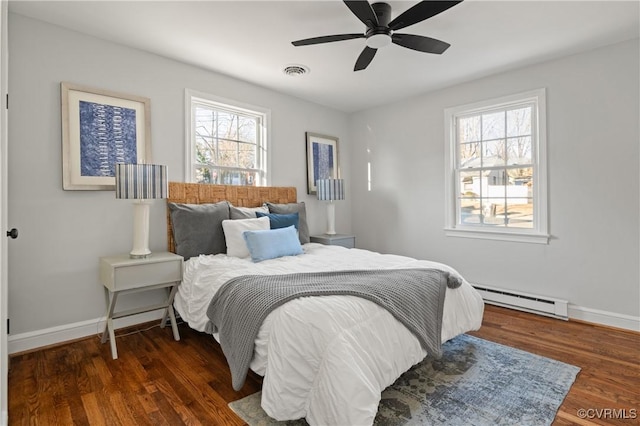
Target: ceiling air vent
[[295, 70]]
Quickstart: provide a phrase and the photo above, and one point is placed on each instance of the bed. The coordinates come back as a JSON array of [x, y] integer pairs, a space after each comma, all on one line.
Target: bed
[[328, 358]]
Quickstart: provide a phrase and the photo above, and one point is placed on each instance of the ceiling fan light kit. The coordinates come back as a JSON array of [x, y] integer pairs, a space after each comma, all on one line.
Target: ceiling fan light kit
[[380, 29]]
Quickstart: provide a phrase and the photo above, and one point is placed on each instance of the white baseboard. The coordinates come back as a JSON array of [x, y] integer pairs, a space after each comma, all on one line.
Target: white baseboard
[[611, 319], [62, 333]]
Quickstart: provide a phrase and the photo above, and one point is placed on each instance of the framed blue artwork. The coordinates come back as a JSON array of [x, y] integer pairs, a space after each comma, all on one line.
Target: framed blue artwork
[[99, 129], [322, 159]]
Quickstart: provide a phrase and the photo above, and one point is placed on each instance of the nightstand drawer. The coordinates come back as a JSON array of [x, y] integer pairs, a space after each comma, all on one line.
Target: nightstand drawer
[[122, 273], [143, 275]]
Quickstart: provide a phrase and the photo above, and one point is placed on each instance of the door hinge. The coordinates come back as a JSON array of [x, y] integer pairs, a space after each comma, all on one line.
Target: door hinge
[[7, 102], [8, 326]]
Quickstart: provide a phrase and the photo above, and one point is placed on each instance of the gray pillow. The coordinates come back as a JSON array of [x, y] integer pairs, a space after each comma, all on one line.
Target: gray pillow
[[197, 228], [303, 228], [245, 212]]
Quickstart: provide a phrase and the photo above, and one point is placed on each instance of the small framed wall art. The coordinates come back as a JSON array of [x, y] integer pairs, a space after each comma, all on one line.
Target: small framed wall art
[[322, 159], [99, 129]]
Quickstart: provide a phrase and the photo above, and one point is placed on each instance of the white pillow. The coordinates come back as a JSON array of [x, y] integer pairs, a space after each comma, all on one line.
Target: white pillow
[[233, 229]]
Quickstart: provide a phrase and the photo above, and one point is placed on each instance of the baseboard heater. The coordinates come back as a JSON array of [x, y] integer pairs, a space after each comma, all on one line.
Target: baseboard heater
[[541, 305]]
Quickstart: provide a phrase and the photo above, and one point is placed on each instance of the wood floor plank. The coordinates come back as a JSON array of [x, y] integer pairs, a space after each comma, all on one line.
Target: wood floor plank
[[158, 381]]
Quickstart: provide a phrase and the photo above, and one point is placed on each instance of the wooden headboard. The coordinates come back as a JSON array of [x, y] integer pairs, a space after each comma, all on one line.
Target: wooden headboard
[[240, 196]]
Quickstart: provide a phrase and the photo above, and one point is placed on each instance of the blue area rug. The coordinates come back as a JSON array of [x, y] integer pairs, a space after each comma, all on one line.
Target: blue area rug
[[476, 382]]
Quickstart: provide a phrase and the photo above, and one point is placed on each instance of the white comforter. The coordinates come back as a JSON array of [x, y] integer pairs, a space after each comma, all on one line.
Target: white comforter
[[326, 358]]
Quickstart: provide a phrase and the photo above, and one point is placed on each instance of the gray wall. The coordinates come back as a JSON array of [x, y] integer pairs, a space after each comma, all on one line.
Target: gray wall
[[592, 258], [53, 266]]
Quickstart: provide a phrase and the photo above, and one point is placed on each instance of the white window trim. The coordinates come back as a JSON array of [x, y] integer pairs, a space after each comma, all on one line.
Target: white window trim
[[539, 234], [191, 95]]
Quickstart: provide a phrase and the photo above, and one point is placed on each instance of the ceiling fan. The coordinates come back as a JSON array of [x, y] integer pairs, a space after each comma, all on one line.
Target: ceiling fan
[[380, 29]]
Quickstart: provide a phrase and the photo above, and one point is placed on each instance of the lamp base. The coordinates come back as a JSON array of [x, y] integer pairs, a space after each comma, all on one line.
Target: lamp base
[[140, 230], [331, 219]]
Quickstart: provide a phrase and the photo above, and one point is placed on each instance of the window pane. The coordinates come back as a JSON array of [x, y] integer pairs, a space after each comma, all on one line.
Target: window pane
[[519, 122], [470, 155], [227, 153], [521, 177], [493, 153], [469, 184], [470, 210], [490, 209], [493, 125], [520, 213], [204, 121], [469, 129], [247, 129], [519, 150], [247, 155], [204, 175], [227, 125], [205, 151], [236, 177]]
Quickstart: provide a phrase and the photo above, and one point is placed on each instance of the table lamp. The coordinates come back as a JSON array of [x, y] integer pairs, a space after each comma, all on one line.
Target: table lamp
[[330, 190], [141, 182]]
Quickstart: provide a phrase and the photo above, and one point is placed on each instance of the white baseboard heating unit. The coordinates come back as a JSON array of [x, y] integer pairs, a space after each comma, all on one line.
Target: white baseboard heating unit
[[541, 305]]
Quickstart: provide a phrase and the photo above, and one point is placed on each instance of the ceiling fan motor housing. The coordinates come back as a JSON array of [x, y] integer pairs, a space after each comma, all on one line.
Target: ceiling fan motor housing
[[379, 35]]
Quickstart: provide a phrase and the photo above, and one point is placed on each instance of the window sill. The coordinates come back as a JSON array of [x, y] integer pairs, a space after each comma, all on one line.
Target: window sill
[[518, 237]]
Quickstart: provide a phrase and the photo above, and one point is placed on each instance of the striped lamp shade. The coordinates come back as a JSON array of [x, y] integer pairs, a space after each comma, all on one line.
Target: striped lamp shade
[[330, 189], [141, 181]]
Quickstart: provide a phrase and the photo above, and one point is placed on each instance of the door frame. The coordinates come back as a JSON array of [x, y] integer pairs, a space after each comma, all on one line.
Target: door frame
[[4, 353]]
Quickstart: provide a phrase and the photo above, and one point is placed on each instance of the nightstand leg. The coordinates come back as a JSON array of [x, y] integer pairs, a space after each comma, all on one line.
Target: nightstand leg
[[171, 314], [108, 329]]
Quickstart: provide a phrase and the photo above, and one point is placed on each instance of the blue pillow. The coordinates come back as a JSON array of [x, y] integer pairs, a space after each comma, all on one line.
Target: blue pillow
[[281, 220], [272, 243]]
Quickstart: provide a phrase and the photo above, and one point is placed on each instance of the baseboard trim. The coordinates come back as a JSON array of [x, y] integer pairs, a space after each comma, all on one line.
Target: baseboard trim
[[611, 319], [36, 339]]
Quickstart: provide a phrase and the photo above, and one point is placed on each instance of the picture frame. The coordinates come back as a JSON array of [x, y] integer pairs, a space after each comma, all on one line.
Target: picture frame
[[322, 159], [101, 128]]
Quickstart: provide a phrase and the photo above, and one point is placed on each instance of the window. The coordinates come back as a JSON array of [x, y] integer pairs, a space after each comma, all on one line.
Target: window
[[496, 169], [226, 141]]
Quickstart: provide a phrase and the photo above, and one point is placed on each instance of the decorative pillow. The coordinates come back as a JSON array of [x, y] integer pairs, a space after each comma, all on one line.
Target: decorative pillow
[[281, 220], [272, 243], [233, 230], [245, 212], [303, 228], [197, 228]]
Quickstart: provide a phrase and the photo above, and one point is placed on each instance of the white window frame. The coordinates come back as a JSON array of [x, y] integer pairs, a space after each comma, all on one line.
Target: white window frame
[[539, 232], [262, 155]]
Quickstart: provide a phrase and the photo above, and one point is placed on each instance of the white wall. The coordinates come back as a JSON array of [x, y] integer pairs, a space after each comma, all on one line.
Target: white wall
[[53, 266], [592, 258]]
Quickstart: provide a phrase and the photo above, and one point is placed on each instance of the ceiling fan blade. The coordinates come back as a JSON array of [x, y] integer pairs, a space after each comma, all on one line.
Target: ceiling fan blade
[[326, 39], [365, 58], [363, 11], [420, 43], [420, 12]]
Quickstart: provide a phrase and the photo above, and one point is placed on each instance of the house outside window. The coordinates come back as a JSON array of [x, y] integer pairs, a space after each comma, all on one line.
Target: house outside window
[[496, 185], [226, 141]]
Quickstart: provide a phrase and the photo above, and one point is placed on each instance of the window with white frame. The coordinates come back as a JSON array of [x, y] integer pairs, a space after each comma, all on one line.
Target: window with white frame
[[496, 183], [226, 141]]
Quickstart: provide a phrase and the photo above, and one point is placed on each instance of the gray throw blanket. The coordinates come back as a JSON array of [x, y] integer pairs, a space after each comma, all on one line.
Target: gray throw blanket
[[415, 297]]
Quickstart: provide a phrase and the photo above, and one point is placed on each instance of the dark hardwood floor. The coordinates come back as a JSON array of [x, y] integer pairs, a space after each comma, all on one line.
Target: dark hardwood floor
[[157, 380]]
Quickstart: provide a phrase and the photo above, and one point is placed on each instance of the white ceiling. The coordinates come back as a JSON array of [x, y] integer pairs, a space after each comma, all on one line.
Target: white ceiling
[[251, 40]]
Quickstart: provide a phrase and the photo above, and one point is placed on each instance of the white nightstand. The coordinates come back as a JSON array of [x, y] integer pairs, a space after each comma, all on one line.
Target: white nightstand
[[348, 241], [122, 275]]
